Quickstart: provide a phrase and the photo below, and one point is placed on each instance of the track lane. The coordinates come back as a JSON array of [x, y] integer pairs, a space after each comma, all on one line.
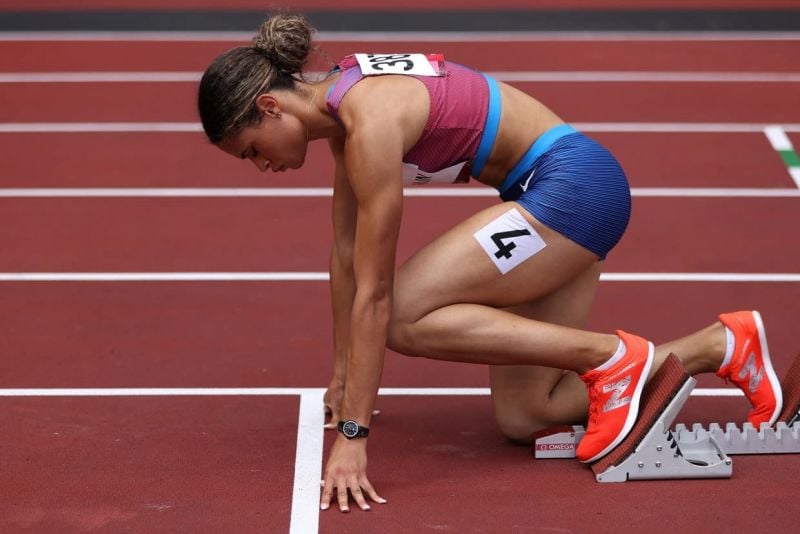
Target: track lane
[[232, 334], [187, 160], [273, 234], [574, 102], [542, 54], [147, 464]]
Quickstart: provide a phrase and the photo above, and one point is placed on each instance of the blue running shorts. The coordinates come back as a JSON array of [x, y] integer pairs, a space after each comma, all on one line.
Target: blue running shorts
[[573, 185]]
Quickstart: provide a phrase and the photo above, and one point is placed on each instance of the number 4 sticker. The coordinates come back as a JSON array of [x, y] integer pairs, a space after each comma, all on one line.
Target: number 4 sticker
[[509, 240]]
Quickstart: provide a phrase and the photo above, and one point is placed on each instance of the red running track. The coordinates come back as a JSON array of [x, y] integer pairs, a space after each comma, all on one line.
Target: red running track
[[544, 53], [654, 159], [574, 102], [276, 234], [144, 464]]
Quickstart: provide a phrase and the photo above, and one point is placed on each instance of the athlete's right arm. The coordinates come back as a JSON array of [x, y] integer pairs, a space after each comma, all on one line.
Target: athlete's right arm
[[345, 209]]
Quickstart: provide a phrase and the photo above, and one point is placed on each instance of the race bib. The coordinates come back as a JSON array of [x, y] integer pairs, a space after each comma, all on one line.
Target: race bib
[[457, 173], [416, 64]]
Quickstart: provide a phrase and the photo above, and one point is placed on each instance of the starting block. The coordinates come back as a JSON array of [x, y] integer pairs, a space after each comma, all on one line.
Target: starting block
[[653, 451], [561, 442]]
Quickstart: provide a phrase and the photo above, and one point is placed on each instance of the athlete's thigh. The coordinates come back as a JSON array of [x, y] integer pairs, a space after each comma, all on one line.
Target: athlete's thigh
[[456, 268], [529, 397], [570, 305]]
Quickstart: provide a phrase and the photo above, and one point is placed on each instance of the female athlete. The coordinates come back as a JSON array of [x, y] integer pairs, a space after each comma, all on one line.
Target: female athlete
[[510, 287]]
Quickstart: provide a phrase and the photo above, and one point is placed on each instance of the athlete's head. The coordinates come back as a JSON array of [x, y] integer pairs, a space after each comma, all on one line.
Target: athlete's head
[[248, 97]]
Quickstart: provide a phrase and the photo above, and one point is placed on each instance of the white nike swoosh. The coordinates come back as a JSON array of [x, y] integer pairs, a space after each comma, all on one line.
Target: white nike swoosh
[[527, 181]]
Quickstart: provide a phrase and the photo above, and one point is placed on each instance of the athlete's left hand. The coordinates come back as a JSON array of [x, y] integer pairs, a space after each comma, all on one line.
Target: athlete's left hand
[[347, 470]]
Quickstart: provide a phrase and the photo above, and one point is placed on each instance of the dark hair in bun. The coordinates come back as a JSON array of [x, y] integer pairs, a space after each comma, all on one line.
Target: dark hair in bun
[[231, 84]]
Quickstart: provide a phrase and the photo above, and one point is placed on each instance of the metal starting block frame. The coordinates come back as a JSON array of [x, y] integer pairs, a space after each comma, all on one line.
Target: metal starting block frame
[[782, 439], [659, 455], [732, 440], [694, 452]]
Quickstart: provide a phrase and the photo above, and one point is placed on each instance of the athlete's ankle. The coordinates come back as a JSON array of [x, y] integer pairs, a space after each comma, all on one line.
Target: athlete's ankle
[[599, 355]]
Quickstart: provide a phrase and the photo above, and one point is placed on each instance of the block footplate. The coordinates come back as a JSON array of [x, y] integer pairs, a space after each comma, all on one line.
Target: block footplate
[[651, 451]]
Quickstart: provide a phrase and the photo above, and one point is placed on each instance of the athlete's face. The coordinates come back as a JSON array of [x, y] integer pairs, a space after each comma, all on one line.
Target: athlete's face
[[278, 142]]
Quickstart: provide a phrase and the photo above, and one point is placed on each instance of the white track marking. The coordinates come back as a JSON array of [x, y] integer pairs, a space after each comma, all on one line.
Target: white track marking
[[182, 127], [795, 173], [323, 276], [505, 76], [157, 392], [781, 142], [101, 127], [167, 277], [308, 463], [235, 192], [312, 394], [778, 138], [375, 36]]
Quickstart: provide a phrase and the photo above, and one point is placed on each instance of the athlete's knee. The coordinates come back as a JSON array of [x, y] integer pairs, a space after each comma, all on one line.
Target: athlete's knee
[[517, 426], [401, 336], [518, 422]]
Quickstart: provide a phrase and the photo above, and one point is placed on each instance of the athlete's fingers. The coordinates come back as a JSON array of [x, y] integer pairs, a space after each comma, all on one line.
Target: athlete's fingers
[[371, 491], [358, 495], [327, 494], [341, 495]]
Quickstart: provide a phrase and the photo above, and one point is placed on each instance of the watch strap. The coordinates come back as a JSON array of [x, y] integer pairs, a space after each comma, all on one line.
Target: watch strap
[[361, 432]]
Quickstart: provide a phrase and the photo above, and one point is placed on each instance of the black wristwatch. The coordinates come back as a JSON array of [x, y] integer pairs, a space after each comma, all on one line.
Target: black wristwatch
[[351, 429]]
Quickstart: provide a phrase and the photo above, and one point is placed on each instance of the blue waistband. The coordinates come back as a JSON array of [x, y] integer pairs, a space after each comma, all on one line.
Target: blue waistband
[[538, 148], [489, 129]]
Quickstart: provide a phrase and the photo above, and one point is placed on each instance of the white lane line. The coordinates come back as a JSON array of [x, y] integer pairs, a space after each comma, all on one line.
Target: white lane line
[[777, 138], [156, 392], [795, 174], [783, 145], [323, 276], [167, 277], [101, 77], [505, 76], [101, 127], [237, 192], [312, 395], [181, 127], [411, 37], [308, 464], [700, 277]]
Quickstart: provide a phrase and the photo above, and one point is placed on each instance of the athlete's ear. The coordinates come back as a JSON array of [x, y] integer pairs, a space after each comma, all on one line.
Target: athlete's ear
[[268, 105]]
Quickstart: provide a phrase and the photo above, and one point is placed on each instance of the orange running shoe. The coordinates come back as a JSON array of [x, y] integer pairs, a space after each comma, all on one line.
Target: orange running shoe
[[750, 365], [614, 395]]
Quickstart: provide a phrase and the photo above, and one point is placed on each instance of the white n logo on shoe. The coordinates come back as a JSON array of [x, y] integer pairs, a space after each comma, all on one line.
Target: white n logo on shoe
[[756, 374], [618, 388]]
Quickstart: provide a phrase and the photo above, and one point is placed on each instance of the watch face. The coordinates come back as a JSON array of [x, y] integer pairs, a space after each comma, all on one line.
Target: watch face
[[350, 429]]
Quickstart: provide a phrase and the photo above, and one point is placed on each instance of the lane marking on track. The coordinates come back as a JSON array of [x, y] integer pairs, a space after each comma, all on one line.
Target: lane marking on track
[[240, 192], [323, 276], [312, 394], [366, 36], [505, 76], [783, 146], [310, 432], [183, 127], [308, 463]]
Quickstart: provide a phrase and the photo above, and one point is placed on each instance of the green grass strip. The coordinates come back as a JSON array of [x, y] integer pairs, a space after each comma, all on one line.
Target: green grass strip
[[790, 158]]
